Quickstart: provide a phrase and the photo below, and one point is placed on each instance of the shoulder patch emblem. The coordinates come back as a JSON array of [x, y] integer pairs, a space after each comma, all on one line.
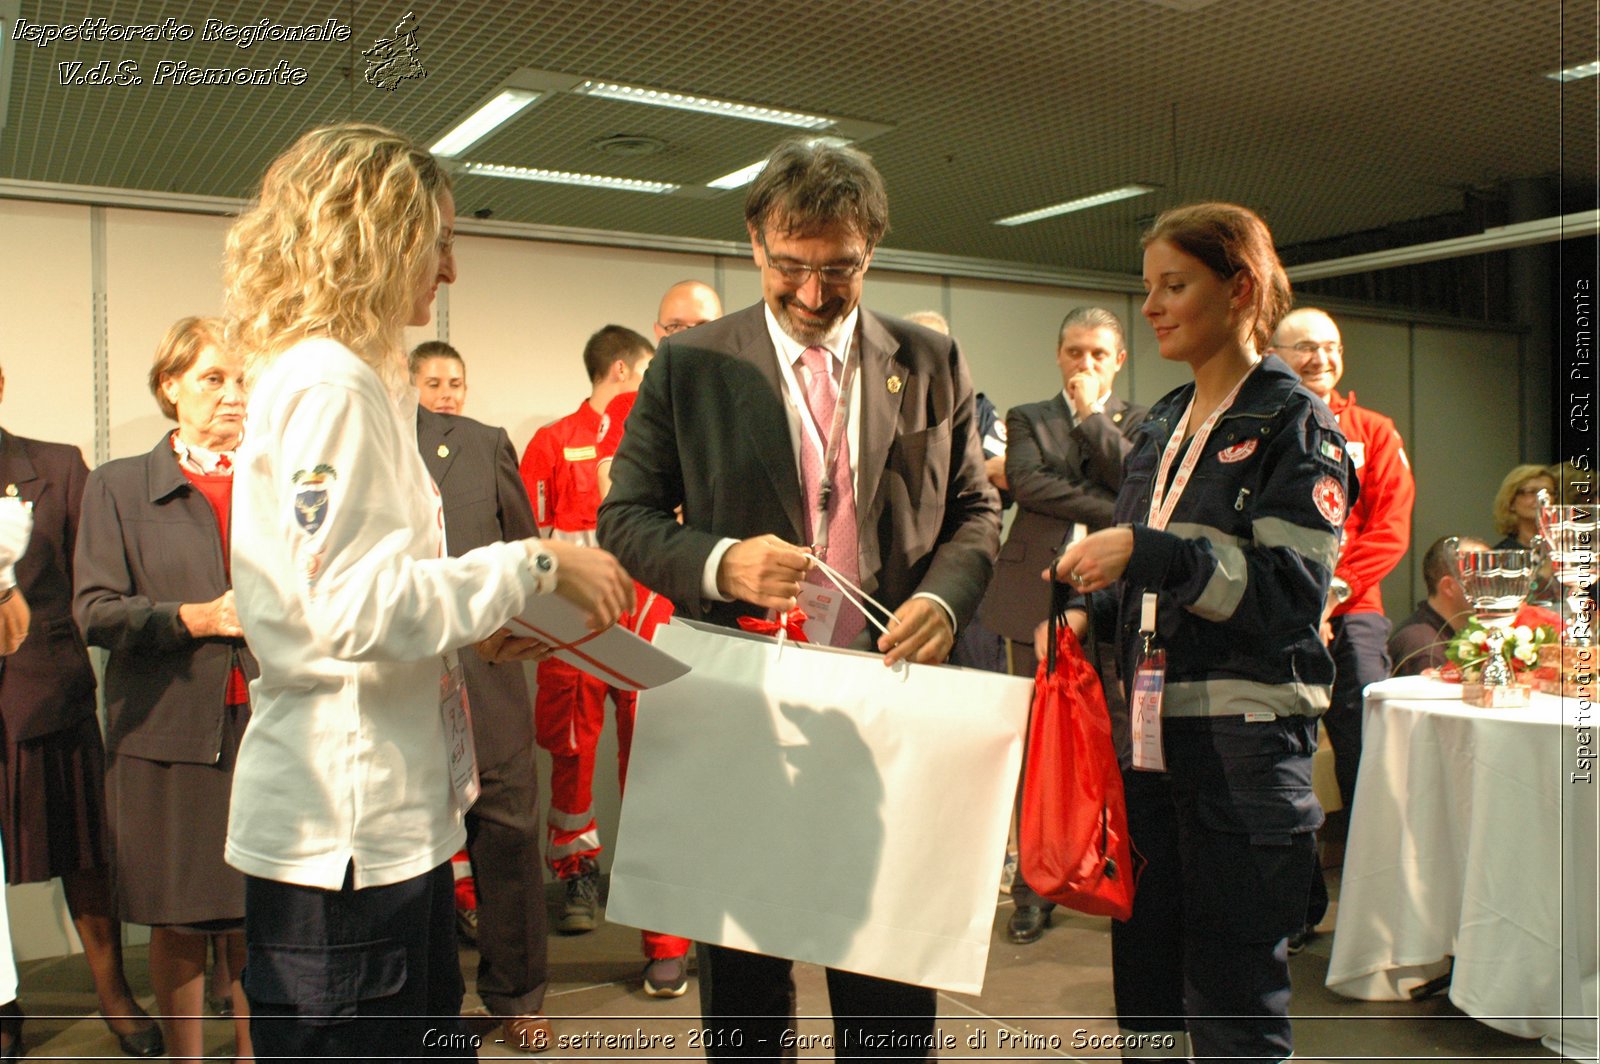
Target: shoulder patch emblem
[[1328, 496], [1332, 453], [1358, 453], [311, 502], [1239, 451]]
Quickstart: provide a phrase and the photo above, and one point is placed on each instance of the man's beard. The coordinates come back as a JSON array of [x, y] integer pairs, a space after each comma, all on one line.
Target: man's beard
[[804, 331]]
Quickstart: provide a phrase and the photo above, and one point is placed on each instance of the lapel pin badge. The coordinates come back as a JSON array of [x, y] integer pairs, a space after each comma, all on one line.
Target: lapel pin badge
[[11, 491], [444, 452], [894, 385]]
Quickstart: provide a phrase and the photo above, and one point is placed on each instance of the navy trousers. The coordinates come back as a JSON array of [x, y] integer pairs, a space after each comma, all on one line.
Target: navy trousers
[[1227, 834], [361, 974], [747, 1001]]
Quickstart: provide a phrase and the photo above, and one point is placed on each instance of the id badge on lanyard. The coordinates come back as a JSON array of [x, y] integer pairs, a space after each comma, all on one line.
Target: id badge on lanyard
[[1149, 680], [457, 712]]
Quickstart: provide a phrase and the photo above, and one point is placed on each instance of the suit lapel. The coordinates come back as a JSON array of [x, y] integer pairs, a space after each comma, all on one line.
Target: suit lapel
[[433, 440], [880, 411], [1057, 426], [15, 466], [761, 413]]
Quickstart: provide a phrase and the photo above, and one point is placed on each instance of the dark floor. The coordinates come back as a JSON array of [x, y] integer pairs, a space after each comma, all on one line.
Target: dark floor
[[1038, 1001]]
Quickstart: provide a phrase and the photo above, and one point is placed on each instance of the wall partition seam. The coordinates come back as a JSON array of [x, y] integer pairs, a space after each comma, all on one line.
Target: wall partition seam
[[101, 335]]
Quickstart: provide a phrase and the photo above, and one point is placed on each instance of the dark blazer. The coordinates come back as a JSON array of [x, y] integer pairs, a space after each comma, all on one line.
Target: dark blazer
[[710, 432], [149, 544], [1060, 474], [484, 502], [48, 684]]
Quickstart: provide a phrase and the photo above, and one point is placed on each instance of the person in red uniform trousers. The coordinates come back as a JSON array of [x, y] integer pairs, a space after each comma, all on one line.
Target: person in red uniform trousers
[[1377, 534], [666, 970], [559, 469], [683, 306]]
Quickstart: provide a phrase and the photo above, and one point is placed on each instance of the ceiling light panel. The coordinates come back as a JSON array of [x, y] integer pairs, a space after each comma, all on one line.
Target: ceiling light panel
[[1082, 203], [704, 104], [495, 112], [1576, 73], [565, 177]]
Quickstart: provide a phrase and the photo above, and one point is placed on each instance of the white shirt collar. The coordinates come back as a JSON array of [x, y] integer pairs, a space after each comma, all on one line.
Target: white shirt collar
[[789, 349]]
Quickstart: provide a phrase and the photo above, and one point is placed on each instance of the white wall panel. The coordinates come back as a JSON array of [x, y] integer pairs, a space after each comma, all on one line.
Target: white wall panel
[[159, 268], [521, 311], [46, 305]]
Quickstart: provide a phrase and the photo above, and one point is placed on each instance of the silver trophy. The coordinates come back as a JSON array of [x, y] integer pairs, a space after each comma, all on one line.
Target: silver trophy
[[1496, 582], [1568, 538]]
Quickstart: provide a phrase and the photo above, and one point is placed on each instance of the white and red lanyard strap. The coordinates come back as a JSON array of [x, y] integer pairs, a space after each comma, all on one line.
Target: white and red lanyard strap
[[1162, 503]]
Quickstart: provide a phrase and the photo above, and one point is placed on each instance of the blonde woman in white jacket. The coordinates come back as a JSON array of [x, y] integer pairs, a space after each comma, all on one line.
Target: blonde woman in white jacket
[[349, 792]]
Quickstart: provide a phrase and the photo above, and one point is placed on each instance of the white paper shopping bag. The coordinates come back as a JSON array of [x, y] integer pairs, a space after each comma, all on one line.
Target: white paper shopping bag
[[810, 803]]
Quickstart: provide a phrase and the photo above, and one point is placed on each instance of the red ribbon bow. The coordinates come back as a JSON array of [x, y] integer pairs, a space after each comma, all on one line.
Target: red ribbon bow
[[791, 623]]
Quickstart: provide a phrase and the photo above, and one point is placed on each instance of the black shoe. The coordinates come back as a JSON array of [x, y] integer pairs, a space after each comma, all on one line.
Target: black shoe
[[1301, 939], [10, 1031], [1027, 923], [578, 912], [145, 1042]]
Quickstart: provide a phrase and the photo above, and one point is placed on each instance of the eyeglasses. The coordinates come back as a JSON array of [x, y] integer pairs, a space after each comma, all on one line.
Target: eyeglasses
[[795, 273], [672, 328], [1523, 492], [1312, 347]]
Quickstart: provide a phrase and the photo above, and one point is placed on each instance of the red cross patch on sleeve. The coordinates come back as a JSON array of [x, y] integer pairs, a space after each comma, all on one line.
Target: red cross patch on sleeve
[[1329, 498]]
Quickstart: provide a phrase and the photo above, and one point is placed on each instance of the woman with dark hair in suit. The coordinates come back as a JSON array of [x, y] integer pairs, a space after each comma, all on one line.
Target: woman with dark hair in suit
[[52, 803], [153, 589]]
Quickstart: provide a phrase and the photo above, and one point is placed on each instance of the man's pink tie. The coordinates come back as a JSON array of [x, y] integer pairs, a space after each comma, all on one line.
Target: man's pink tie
[[843, 553]]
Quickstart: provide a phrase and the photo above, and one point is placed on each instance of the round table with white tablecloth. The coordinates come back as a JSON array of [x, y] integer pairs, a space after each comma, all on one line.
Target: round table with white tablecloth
[[1474, 837]]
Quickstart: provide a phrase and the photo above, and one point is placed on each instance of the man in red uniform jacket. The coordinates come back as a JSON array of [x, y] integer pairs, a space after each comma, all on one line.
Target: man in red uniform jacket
[[1377, 534], [559, 468]]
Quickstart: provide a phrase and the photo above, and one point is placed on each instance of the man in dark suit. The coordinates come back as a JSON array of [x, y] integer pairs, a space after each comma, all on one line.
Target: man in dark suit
[[802, 419], [1064, 466], [475, 468]]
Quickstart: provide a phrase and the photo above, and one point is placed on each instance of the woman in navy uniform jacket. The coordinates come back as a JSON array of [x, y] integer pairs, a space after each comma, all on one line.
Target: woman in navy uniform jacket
[[52, 803], [1237, 542], [153, 589]]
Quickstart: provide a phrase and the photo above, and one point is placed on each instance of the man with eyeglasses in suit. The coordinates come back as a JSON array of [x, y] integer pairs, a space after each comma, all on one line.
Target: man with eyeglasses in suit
[[1377, 534], [737, 423]]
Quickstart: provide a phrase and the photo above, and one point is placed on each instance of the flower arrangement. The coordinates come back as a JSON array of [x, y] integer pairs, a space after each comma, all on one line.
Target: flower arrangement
[[1532, 628]]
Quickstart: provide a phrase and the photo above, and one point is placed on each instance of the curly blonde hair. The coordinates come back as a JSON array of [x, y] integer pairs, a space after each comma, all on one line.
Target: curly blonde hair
[[1505, 518], [335, 246]]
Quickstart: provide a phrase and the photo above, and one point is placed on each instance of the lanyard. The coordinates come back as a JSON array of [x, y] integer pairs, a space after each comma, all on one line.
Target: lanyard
[[1161, 503]]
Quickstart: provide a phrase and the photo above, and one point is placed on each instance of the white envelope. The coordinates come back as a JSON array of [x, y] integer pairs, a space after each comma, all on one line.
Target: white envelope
[[614, 654]]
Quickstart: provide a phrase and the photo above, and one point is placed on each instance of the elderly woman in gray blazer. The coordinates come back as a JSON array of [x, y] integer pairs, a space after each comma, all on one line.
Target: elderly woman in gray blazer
[[153, 588]]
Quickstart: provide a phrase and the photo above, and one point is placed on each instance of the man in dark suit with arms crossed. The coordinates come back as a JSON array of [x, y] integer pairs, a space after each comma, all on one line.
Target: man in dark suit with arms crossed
[[735, 423], [475, 467], [1064, 465]]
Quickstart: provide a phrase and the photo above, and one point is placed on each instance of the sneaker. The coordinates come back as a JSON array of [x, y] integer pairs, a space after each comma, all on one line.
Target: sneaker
[[667, 977], [467, 926], [583, 898]]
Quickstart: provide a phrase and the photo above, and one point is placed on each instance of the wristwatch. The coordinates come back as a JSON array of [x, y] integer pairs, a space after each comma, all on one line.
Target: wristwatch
[[1340, 590], [543, 564]]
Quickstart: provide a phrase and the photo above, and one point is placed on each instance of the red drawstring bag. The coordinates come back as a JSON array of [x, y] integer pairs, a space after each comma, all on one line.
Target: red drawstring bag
[[1074, 843]]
